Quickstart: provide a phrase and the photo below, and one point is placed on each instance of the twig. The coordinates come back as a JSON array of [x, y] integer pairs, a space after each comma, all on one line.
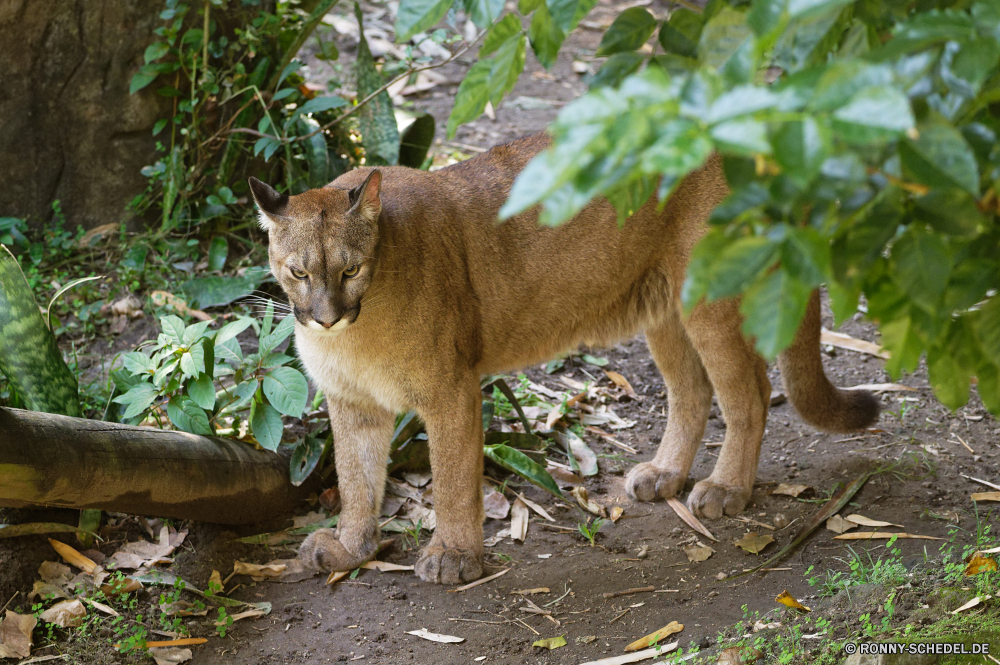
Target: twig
[[494, 623], [667, 591], [984, 482], [627, 610], [16, 594], [484, 580], [628, 592], [527, 626], [558, 599], [967, 447]]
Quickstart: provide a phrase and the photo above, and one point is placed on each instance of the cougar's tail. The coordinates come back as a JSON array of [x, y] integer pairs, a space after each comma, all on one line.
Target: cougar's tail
[[818, 401]]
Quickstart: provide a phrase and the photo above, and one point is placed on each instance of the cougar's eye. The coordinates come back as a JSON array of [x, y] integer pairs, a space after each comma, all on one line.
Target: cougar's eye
[[298, 274], [352, 271]]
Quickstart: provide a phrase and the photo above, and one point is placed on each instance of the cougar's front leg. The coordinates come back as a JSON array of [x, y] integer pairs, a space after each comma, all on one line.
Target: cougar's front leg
[[361, 438], [455, 436]]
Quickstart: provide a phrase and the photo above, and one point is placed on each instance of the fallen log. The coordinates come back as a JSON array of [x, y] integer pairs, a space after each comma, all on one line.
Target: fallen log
[[53, 460]]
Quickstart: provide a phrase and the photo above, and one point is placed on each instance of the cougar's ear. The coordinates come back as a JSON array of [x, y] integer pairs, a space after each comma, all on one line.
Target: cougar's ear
[[270, 202], [364, 198]]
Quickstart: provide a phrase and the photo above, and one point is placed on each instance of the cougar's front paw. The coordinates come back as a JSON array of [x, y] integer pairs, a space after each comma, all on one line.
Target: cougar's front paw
[[647, 482], [449, 565], [711, 500], [322, 549]]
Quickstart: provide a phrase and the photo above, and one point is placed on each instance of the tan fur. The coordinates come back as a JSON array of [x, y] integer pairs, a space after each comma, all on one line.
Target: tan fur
[[444, 294]]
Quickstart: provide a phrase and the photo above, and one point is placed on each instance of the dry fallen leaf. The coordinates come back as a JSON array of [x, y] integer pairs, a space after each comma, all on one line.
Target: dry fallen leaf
[[865, 521], [843, 341], [876, 535], [259, 571], [649, 640], [979, 563], [582, 498], [788, 600], [384, 566], [698, 552], [45, 591], [753, 543], [170, 655], [65, 614], [689, 518], [518, 520], [550, 642], [15, 635], [789, 490], [55, 573], [72, 557], [616, 512], [336, 576], [435, 637], [330, 499], [621, 382], [739, 656], [529, 592], [972, 603], [534, 506], [838, 524], [495, 504], [497, 537], [760, 625], [986, 496], [881, 387], [163, 298], [564, 477]]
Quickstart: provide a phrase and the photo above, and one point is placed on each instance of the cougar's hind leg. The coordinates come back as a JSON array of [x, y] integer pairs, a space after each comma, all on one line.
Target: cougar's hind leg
[[739, 376], [689, 400]]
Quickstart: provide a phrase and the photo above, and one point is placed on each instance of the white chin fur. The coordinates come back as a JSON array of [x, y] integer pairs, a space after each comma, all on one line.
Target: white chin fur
[[335, 328]]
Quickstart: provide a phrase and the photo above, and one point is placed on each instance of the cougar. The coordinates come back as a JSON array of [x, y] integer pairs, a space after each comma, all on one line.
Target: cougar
[[407, 290]]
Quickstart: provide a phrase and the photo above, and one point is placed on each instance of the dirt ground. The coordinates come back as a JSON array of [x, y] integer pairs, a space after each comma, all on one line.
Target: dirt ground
[[366, 619]]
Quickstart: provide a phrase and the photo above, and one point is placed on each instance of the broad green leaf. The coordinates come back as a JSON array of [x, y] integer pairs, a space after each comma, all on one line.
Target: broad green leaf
[[843, 79], [287, 390], [682, 146], [173, 327], [901, 339], [203, 292], [138, 363], [320, 104], [949, 379], [722, 35], [699, 270], [188, 416], [765, 15], [738, 265], [951, 211], [925, 29], [805, 255], [137, 399], [545, 37], [194, 332], [873, 115], [517, 462], [376, 121], [315, 151], [506, 68], [501, 31], [473, 93], [483, 12], [155, 51], [616, 68], [804, 9], [801, 147], [680, 33], [202, 392], [741, 100], [417, 15], [140, 80], [628, 32], [743, 136], [304, 459], [266, 426], [742, 65], [940, 157], [416, 135], [567, 13], [988, 329], [218, 250], [232, 329], [989, 386], [193, 361], [923, 264], [773, 308], [525, 7]]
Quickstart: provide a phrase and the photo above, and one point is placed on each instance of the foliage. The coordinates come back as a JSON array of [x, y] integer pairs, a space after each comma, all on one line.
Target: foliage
[[203, 383], [869, 164]]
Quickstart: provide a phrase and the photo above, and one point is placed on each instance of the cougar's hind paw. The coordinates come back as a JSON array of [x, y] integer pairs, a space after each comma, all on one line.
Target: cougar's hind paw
[[323, 550], [646, 482], [449, 565], [711, 500]]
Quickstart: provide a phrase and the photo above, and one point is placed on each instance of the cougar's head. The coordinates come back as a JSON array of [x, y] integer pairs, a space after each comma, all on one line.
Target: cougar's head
[[322, 248]]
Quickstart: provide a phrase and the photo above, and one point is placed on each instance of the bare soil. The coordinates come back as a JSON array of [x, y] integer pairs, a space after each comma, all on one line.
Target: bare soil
[[366, 619]]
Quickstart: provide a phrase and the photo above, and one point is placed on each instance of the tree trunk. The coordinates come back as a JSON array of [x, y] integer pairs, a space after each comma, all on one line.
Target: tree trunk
[[53, 460]]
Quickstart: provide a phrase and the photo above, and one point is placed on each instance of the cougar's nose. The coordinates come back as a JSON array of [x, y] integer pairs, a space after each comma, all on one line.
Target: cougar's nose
[[326, 324]]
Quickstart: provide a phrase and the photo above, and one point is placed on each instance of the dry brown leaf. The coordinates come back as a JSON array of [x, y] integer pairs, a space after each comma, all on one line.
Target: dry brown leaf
[[534, 506], [980, 563], [496, 505], [118, 587], [649, 640], [96, 234], [15, 635], [616, 513], [55, 573], [739, 656], [582, 498], [842, 341], [518, 520], [497, 537], [384, 566], [182, 642], [753, 543], [698, 552], [47, 591], [789, 490], [876, 535], [162, 298], [788, 600], [101, 607], [171, 655], [330, 499], [689, 518], [972, 603], [564, 477], [259, 571], [530, 592], [72, 557], [838, 524], [65, 614], [435, 637], [336, 576], [621, 382], [882, 387], [986, 496], [248, 614], [865, 521]]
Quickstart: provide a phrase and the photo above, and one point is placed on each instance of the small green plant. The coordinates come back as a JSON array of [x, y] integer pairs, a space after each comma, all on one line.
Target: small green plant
[[412, 534], [590, 529], [129, 635], [224, 622]]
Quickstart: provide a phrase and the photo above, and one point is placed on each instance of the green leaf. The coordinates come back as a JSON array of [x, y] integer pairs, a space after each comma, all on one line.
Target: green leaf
[[287, 389], [616, 68], [682, 146], [473, 93], [173, 327], [805, 255], [940, 157], [765, 15], [218, 250], [738, 265], [232, 329], [567, 13], [951, 211], [680, 33], [741, 100], [138, 399], [517, 462], [155, 51], [203, 292], [416, 135], [949, 379], [628, 32], [501, 31], [320, 104], [188, 416], [699, 270], [483, 12], [376, 121], [266, 425], [193, 361], [987, 329], [923, 264], [901, 339], [417, 15], [316, 152], [873, 115], [743, 136], [801, 147], [140, 80], [773, 309], [304, 459], [202, 392], [722, 35], [805, 9], [545, 37], [525, 7], [507, 66]]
